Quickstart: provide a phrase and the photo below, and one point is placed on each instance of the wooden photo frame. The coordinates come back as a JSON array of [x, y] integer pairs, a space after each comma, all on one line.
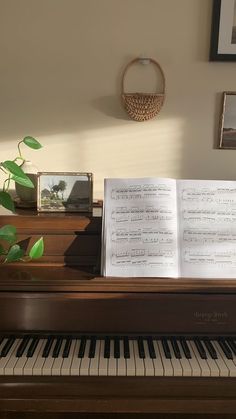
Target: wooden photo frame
[[223, 33], [65, 192], [228, 121]]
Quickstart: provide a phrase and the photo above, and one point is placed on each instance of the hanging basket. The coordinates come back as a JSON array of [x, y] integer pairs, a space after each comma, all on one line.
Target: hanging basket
[[142, 106]]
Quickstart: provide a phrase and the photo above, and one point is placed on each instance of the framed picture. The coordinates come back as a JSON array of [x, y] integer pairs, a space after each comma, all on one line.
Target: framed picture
[[228, 121], [65, 192], [223, 35]]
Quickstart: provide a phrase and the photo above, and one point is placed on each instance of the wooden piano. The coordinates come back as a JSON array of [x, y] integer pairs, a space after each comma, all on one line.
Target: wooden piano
[[75, 344]]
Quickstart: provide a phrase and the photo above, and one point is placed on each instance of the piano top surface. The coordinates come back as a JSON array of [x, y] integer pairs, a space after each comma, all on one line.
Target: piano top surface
[[16, 277]]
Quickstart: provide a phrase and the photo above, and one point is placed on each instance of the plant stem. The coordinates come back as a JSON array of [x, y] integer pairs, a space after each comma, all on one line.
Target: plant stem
[[5, 188], [19, 158], [3, 170], [18, 146]]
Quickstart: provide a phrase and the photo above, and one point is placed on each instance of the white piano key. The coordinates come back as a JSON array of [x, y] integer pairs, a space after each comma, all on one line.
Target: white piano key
[[85, 361], [103, 362], [157, 362], [28, 367], [148, 362], [167, 365], [205, 370], [112, 362], [9, 367], [130, 362], [47, 366], [193, 361], [94, 363], [230, 370], [67, 362], [38, 366], [214, 369], [57, 364], [75, 365], [185, 363], [177, 367], [4, 360], [121, 362], [19, 366], [139, 363]]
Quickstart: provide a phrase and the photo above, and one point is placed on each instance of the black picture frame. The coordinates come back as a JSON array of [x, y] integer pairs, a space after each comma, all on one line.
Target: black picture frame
[[221, 49]]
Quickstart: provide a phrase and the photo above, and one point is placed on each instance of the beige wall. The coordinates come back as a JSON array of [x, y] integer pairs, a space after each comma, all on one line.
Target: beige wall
[[60, 68]]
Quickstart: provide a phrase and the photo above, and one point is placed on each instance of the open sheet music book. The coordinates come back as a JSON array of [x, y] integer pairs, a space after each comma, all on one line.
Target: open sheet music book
[[154, 227]]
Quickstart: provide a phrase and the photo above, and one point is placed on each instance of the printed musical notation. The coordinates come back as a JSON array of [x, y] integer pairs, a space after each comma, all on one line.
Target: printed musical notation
[[142, 257], [141, 231], [167, 227], [141, 191], [142, 235], [143, 213], [209, 236], [209, 216], [217, 195], [207, 228], [222, 259]]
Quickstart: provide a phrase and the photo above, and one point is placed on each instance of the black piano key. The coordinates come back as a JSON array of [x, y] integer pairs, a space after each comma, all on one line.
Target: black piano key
[[107, 347], [82, 347], [225, 348], [185, 347], [141, 351], [47, 347], [22, 346], [126, 348], [175, 347], [6, 348], [232, 345], [116, 347], [151, 349], [92, 347], [57, 348], [210, 348], [67, 347], [200, 348], [32, 347], [166, 348]]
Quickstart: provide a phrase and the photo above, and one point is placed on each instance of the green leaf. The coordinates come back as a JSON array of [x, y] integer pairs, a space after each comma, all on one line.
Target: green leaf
[[6, 201], [13, 168], [8, 233], [15, 253], [37, 249], [32, 143], [26, 181]]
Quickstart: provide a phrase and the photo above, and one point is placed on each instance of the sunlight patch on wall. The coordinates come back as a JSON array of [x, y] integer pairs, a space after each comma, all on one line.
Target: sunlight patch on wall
[[152, 148]]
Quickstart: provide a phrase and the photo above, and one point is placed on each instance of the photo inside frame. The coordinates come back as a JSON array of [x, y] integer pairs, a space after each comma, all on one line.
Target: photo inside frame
[[228, 126], [64, 192]]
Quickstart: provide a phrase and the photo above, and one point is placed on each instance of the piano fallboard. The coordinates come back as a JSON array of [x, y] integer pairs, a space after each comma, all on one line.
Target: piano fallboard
[[66, 299]]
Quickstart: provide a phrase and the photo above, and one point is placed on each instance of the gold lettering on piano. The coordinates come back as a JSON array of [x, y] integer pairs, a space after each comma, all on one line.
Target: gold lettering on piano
[[211, 316]]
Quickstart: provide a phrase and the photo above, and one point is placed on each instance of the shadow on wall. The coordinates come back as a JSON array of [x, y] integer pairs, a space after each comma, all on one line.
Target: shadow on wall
[[110, 106]]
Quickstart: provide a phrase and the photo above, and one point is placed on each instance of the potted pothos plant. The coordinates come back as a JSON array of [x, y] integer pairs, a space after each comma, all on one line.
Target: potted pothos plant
[[11, 251]]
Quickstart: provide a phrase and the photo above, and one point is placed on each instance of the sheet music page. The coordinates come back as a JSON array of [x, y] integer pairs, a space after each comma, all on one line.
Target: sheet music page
[[207, 228], [140, 228]]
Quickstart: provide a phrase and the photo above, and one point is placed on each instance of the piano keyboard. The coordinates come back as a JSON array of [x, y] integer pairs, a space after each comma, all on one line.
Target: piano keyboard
[[118, 356]]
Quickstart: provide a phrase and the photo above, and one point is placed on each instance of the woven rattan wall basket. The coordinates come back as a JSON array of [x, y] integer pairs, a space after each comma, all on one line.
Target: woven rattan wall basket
[[142, 106]]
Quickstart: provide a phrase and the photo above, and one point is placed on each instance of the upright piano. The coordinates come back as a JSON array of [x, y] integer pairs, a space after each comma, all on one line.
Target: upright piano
[[73, 343]]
